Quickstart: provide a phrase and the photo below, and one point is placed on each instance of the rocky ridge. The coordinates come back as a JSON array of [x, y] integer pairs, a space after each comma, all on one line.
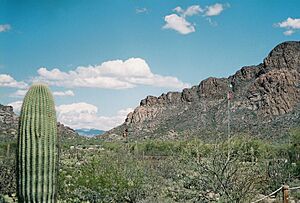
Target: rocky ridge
[[266, 102]]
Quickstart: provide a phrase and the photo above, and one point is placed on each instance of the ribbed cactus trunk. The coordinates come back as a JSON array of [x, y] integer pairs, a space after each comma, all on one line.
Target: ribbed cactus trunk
[[37, 147]]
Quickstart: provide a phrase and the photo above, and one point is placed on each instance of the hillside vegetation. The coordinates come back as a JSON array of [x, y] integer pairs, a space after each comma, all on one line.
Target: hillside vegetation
[[186, 170]]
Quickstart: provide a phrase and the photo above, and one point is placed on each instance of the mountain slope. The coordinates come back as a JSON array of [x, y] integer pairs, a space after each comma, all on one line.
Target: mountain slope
[[265, 103]]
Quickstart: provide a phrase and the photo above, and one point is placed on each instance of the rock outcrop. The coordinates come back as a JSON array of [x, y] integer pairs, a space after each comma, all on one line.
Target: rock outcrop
[[65, 131], [265, 102], [8, 121]]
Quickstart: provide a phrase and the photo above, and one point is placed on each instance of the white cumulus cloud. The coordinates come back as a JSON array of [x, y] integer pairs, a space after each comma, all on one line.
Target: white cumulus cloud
[[64, 93], [17, 105], [289, 32], [5, 27], [84, 115], [8, 81], [190, 11], [22, 93], [178, 23], [214, 10], [19, 93], [290, 24], [116, 74]]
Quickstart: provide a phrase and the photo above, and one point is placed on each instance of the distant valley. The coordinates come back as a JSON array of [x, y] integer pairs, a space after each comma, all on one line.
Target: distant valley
[[89, 132]]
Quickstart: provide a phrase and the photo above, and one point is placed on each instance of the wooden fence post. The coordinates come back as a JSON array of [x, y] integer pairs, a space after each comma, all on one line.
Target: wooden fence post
[[285, 193]]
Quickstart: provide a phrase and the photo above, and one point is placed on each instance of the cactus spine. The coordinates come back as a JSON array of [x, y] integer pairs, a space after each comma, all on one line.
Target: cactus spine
[[37, 147]]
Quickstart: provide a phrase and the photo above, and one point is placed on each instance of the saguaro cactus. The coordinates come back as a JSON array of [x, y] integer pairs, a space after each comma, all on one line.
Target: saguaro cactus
[[37, 147]]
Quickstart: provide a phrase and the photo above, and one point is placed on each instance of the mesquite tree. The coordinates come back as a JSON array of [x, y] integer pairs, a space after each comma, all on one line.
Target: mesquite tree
[[37, 147]]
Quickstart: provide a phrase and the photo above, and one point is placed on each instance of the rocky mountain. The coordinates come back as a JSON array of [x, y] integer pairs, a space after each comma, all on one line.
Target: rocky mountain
[[65, 131], [9, 125], [264, 101]]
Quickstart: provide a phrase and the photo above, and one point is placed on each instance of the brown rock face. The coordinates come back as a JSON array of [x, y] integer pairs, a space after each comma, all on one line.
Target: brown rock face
[[285, 55], [246, 73], [266, 102], [142, 113], [213, 88], [275, 92]]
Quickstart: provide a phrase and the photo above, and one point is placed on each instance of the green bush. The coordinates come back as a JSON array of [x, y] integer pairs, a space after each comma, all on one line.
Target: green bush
[[8, 175], [106, 177]]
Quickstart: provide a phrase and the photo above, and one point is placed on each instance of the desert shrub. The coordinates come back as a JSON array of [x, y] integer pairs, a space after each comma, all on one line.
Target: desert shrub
[[2, 200], [170, 170], [278, 172], [107, 177], [219, 177], [174, 171], [171, 148], [8, 175], [294, 151], [160, 148]]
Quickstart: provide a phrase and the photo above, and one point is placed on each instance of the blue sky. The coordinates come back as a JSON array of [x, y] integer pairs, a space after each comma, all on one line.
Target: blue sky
[[128, 49]]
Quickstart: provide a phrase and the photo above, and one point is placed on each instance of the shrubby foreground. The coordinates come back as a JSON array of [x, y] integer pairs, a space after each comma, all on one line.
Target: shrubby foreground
[[93, 170]]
